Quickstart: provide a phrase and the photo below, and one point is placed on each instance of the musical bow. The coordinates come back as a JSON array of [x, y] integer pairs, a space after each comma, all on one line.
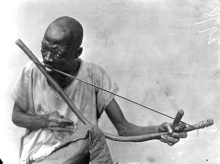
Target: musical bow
[[146, 137]]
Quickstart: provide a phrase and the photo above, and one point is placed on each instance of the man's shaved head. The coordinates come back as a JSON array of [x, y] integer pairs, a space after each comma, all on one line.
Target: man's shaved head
[[61, 48], [65, 30]]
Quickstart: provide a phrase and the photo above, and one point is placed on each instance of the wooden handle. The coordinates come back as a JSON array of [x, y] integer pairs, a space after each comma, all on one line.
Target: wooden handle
[[177, 119], [200, 125]]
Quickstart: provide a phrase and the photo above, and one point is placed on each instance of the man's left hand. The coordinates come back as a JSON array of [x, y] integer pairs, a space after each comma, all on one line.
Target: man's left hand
[[174, 134]]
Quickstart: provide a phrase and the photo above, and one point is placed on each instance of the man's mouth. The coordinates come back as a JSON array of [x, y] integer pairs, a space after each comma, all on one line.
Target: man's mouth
[[48, 68]]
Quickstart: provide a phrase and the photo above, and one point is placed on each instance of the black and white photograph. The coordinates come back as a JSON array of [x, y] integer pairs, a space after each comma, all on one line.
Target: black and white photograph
[[110, 82]]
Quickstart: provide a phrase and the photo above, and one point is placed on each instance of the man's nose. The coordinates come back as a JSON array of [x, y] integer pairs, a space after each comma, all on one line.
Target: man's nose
[[48, 57]]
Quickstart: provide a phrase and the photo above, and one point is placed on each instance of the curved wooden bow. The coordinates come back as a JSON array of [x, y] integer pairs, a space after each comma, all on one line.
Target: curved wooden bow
[[146, 137]]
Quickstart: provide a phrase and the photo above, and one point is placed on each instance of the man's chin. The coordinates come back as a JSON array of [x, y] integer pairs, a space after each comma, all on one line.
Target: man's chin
[[53, 74]]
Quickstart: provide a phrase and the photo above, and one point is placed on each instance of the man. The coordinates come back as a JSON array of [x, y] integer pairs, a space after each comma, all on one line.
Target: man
[[54, 134]]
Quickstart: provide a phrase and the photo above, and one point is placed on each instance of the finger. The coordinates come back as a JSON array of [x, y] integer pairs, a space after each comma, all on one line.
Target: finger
[[165, 139], [60, 129], [61, 121], [55, 116], [180, 127], [55, 124], [179, 135], [172, 139], [64, 121], [162, 140], [170, 144], [168, 127]]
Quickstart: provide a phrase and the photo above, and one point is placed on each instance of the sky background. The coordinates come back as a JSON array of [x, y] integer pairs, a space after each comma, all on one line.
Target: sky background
[[162, 54]]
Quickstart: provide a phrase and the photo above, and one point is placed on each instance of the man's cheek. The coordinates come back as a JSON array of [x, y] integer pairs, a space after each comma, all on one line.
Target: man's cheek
[[58, 62], [62, 66]]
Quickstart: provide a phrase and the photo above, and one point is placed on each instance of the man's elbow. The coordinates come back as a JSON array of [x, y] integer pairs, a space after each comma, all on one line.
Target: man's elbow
[[123, 132], [15, 119], [16, 115], [127, 130]]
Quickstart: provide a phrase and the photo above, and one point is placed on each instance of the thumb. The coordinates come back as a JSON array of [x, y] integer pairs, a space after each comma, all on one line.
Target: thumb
[[167, 127]]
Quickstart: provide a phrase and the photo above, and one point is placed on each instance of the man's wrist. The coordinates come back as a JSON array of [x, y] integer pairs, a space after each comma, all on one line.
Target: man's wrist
[[44, 120], [158, 130]]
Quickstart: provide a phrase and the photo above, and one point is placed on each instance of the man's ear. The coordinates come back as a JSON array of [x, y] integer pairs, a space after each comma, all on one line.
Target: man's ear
[[79, 52]]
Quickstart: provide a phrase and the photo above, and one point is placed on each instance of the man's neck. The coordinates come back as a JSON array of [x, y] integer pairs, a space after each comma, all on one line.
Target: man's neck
[[65, 81]]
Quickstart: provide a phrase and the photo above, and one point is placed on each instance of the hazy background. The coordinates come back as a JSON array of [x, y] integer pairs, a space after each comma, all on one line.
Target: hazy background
[[154, 52]]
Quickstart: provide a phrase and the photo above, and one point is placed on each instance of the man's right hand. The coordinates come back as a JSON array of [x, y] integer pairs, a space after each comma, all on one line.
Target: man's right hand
[[57, 122], [54, 121]]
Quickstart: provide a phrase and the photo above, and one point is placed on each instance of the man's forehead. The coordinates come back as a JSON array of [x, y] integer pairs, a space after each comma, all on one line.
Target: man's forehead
[[64, 31], [58, 34]]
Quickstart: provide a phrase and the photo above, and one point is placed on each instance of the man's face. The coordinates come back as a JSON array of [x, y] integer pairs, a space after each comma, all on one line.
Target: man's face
[[57, 55]]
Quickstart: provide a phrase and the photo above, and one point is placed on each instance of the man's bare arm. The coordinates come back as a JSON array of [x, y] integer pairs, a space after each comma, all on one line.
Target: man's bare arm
[[53, 121], [126, 128]]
